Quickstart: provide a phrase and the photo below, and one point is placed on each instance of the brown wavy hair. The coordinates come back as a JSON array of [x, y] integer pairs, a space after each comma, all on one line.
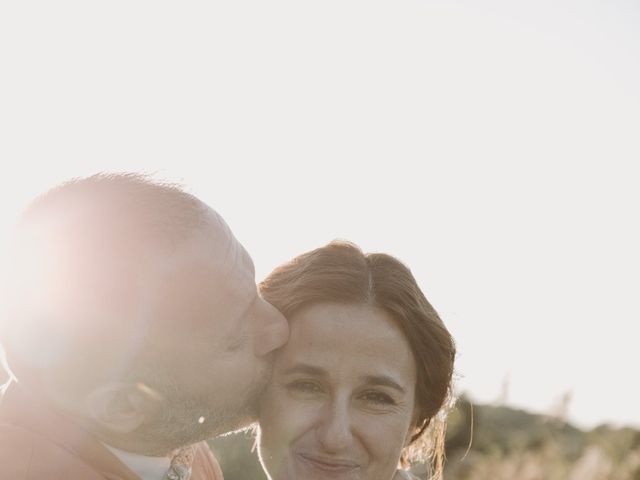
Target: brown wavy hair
[[340, 272]]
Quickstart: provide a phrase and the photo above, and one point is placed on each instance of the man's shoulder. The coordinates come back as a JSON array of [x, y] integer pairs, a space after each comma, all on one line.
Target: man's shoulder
[[16, 449], [26, 455]]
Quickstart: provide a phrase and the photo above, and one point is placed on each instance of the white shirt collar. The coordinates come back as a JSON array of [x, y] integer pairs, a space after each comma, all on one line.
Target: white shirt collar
[[147, 468]]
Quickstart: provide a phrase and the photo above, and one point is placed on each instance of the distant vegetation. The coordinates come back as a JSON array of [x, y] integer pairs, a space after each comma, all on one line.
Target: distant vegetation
[[507, 444]]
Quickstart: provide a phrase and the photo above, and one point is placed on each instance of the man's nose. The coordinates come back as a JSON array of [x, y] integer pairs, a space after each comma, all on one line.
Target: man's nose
[[334, 428], [272, 329]]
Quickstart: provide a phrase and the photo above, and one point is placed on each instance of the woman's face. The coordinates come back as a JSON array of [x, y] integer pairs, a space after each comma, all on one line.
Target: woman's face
[[341, 401]]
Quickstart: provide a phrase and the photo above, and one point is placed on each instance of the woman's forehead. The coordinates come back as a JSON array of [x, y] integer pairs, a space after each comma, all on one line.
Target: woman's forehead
[[339, 339]]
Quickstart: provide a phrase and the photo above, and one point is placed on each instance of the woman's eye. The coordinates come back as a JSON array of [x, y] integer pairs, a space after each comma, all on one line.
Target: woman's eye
[[304, 387], [378, 398]]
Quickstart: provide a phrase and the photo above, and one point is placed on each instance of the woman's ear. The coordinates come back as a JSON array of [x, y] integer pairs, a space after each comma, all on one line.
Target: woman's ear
[[412, 431], [121, 407], [416, 425]]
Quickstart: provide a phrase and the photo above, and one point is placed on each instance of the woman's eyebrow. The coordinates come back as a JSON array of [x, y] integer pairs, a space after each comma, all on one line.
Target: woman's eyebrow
[[306, 369], [383, 380]]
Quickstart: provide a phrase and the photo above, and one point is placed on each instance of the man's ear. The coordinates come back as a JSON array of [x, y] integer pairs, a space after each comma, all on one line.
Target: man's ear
[[121, 407]]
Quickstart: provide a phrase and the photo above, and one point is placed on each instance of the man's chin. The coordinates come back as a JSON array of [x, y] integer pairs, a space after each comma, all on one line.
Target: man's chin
[[229, 418], [240, 416], [183, 421]]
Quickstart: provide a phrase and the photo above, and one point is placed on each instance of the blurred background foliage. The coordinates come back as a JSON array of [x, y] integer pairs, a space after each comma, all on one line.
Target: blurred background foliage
[[495, 442]]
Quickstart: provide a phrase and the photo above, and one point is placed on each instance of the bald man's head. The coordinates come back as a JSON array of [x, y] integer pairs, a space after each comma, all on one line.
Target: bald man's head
[[81, 254], [121, 284]]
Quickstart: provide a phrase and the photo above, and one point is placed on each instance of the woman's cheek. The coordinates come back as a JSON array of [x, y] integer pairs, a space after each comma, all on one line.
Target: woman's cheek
[[280, 416], [283, 421], [292, 418]]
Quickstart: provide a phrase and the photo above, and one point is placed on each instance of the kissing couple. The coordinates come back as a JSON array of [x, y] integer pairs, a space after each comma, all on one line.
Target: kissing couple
[[135, 331]]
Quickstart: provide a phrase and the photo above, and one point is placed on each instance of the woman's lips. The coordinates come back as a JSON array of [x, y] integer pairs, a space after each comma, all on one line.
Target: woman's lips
[[328, 464]]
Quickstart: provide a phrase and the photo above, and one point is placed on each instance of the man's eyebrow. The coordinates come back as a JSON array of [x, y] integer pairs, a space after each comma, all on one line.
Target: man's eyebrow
[[383, 380], [237, 343], [249, 261], [307, 369]]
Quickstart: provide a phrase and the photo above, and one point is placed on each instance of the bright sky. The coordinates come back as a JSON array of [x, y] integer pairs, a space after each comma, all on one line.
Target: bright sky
[[490, 145]]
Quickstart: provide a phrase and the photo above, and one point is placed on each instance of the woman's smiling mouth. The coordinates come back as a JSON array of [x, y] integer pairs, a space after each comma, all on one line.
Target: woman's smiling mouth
[[329, 465]]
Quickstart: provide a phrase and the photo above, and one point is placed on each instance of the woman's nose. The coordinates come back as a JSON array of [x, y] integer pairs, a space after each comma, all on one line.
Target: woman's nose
[[334, 428]]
